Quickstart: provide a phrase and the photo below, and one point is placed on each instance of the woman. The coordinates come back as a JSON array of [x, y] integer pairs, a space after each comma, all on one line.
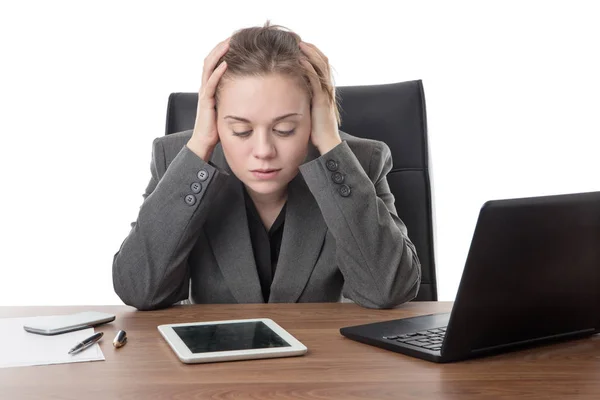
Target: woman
[[265, 200]]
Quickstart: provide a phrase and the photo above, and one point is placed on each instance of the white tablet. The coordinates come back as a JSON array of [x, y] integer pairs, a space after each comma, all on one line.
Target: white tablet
[[243, 339]]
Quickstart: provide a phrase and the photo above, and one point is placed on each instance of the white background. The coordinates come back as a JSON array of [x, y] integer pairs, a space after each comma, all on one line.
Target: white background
[[512, 91]]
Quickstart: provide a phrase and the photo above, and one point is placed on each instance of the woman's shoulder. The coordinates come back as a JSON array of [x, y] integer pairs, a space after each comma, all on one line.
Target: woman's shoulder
[[173, 143]]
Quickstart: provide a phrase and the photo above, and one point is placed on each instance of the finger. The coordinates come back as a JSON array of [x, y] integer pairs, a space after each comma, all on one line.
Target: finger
[[317, 59], [218, 47], [213, 57], [209, 89], [319, 52], [315, 83], [310, 52]]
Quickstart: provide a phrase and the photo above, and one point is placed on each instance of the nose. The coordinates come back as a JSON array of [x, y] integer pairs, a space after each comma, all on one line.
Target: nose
[[264, 147]]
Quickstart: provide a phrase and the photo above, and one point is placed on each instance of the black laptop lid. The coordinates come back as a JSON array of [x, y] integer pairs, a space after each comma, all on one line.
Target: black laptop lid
[[531, 272]]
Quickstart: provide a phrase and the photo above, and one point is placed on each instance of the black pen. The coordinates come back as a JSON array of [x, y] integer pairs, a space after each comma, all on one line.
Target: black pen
[[86, 343]]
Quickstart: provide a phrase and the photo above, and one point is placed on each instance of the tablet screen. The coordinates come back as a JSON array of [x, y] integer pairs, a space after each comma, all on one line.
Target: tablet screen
[[227, 337]]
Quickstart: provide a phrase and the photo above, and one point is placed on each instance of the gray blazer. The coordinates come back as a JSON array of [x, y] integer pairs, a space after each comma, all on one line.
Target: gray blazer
[[191, 242]]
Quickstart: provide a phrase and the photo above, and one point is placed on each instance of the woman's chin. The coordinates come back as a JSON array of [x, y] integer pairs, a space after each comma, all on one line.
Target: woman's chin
[[265, 187]]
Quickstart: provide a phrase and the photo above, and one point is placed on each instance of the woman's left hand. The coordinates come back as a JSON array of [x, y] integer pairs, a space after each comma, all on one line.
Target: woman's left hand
[[324, 135]]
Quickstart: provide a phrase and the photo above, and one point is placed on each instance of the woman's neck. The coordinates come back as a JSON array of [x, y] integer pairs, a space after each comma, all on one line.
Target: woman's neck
[[268, 205]]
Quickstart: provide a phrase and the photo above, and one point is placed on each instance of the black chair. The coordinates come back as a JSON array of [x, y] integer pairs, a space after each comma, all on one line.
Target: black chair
[[394, 114]]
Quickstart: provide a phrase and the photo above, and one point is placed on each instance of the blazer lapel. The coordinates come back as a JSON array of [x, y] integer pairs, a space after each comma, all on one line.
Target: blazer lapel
[[303, 235], [228, 234]]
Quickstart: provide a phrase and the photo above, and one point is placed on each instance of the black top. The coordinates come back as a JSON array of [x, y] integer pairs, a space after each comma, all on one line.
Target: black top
[[265, 244]]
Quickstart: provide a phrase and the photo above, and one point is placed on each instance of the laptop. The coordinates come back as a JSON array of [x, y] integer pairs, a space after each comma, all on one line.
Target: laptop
[[531, 277]]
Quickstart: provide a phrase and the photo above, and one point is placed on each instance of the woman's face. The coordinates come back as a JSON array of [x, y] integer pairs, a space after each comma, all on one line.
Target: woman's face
[[264, 126]]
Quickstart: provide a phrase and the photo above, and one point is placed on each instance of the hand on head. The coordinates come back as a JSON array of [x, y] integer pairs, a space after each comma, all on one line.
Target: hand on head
[[324, 117], [205, 136], [325, 134]]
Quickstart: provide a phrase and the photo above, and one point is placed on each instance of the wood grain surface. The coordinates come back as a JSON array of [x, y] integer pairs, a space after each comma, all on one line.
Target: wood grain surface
[[333, 368]]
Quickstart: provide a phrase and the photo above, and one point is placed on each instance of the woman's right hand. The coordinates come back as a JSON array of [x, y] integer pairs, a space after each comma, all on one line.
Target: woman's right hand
[[205, 136]]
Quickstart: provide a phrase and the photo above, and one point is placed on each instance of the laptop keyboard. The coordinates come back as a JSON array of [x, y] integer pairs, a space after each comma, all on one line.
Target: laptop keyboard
[[430, 339]]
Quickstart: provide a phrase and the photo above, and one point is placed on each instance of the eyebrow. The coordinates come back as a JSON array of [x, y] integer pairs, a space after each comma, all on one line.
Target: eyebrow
[[248, 121]]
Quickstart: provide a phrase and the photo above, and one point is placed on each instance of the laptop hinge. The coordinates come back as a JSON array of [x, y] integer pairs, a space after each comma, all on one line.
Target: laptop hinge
[[531, 341]]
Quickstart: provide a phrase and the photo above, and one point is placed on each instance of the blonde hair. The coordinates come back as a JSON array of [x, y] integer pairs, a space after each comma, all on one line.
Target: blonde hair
[[272, 49]]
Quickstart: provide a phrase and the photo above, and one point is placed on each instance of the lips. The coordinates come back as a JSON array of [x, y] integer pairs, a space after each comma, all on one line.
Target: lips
[[265, 173], [266, 170]]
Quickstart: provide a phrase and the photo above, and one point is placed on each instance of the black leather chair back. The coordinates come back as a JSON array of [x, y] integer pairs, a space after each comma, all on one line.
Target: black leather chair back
[[394, 114]]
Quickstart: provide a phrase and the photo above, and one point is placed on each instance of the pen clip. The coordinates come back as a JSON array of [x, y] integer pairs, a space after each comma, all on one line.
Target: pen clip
[[84, 344]]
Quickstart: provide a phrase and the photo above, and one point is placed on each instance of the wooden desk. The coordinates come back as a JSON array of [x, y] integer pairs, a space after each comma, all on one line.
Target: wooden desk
[[334, 367]]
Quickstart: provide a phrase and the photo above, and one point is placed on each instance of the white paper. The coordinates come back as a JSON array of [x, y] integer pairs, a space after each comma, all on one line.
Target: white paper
[[19, 348]]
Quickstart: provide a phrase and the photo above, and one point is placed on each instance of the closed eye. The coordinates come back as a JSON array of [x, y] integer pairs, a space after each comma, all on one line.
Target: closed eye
[[247, 133], [285, 133]]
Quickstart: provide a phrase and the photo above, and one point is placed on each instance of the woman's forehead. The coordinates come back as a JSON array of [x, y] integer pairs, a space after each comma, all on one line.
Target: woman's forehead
[[277, 92]]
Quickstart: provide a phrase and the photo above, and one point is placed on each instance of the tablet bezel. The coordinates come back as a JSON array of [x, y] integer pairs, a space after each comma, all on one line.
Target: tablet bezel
[[296, 348]]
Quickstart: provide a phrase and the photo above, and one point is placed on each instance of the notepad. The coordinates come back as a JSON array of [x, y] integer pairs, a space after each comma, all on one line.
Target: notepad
[[19, 348]]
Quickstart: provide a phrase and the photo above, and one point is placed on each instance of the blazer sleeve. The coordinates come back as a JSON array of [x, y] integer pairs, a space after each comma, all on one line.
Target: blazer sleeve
[[377, 259], [150, 270]]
